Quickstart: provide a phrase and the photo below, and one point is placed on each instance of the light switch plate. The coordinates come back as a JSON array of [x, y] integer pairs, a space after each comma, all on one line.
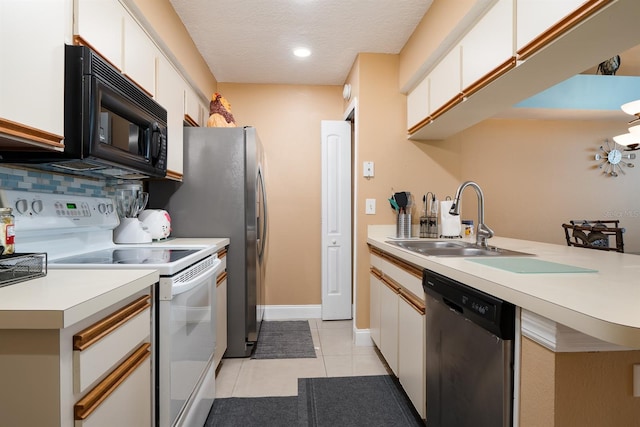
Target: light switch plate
[[370, 207]]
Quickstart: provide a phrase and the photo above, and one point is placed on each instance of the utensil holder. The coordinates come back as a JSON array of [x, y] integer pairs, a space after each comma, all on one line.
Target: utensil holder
[[432, 227], [424, 226], [403, 226]]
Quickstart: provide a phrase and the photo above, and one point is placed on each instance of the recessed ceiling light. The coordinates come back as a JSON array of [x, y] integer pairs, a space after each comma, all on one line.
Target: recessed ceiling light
[[301, 52]]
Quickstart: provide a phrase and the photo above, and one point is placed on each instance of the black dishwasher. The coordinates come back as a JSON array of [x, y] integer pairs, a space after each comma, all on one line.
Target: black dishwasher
[[469, 355]]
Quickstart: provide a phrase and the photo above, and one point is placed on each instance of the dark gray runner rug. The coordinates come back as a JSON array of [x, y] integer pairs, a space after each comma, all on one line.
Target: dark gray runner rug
[[253, 412], [365, 401], [290, 339]]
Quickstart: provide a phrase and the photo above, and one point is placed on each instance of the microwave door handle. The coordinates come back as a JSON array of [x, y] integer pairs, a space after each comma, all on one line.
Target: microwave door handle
[[156, 141]]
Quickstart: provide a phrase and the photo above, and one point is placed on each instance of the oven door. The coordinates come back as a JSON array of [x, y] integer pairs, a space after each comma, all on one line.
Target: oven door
[[186, 342]]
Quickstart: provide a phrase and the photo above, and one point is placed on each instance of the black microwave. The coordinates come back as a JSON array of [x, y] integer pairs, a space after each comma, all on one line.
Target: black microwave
[[111, 127]]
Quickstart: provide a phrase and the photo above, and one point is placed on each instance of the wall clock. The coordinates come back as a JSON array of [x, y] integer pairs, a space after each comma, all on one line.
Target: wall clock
[[613, 159]]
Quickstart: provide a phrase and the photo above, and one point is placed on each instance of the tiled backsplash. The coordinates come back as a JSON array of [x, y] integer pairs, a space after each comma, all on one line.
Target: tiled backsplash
[[45, 182]]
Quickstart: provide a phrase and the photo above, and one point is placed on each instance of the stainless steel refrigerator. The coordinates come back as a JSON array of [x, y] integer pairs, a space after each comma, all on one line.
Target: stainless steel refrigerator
[[223, 195]]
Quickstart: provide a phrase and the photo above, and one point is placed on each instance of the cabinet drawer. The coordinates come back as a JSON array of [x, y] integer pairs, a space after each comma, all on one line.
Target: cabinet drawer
[[408, 276], [121, 399], [222, 256], [100, 347]]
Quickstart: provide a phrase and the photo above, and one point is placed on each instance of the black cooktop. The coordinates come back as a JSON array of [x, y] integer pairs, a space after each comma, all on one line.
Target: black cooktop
[[128, 256]]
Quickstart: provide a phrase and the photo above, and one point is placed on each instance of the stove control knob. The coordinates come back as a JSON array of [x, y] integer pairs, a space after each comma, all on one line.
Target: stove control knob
[[22, 205], [109, 208], [102, 208], [37, 206]]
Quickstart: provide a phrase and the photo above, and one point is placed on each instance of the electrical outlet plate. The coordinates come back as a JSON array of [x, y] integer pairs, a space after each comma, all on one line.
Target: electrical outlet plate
[[367, 169]]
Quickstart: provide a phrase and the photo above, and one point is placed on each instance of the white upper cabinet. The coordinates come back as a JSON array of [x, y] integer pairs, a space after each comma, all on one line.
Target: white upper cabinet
[[108, 28], [418, 103], [445, 80], [534, 17], [488, 44], [516, 49], [100, 25], [193, 107], [170, 94], [32, 39], [140, 55]]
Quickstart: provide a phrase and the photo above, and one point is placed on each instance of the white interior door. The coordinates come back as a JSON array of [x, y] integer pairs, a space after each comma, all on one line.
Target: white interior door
[[336, 219]]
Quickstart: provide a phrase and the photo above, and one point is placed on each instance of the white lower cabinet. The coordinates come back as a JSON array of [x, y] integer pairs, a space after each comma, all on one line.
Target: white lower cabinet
[[411, 353], [221, 310], [389, 326], [97, 372], [374, 312], [397, 322], [113, 356]]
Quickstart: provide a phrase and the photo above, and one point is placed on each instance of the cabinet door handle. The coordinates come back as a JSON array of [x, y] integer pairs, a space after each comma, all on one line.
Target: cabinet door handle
[[85, 406], [95, 332], [221, 278]]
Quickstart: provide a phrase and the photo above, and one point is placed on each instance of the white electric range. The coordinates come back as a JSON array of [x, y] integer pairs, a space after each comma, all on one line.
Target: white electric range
[[76, 233]]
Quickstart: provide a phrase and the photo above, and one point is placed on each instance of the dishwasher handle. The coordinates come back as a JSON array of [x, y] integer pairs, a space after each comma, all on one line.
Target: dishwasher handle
[[452, 305]]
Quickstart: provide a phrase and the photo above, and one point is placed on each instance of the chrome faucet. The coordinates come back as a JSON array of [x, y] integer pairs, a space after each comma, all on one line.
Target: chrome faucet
[[483, 231]]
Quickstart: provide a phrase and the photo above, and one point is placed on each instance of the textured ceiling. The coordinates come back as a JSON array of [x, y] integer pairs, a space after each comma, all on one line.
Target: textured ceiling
[[251, 41]]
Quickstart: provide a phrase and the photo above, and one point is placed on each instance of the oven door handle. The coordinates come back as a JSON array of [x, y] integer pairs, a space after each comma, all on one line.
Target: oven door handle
[[180, 288]]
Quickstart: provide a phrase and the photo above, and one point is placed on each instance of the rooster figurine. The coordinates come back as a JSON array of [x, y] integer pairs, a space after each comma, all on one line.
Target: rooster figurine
[[610, 66], [220, 112]]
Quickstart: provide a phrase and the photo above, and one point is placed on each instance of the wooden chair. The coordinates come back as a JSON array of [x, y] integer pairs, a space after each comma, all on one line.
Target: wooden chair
[[594, 234]]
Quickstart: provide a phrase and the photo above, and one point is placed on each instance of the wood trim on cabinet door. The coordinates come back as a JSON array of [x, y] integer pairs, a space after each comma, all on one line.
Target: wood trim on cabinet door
[[92, 400], [416, 304], [221, 278], [191, 121], [422, 123], [176, 176], [80, 41], [490, 77], [557, 30], [222, 253], [447, 106], [391, 284], [85, 338], [377, 273], [14, 135], [409, 268]]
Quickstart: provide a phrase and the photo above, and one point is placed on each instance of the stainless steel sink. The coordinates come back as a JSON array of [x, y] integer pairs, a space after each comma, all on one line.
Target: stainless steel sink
[[452, 248]]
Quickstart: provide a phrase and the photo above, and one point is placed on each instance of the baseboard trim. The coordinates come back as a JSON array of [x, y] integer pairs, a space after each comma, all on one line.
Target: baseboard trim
[[362, 337], [286, 312]]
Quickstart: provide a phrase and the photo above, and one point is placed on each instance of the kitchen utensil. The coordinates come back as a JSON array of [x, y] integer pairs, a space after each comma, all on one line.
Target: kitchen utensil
[[394, 204], [402, 200]]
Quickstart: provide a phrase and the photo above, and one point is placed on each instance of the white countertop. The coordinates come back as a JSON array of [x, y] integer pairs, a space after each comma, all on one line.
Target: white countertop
[[64, 297], [218, 242], [605, 304]]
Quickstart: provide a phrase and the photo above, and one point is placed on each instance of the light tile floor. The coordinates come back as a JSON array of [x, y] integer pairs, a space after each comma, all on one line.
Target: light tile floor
[[336, 353]]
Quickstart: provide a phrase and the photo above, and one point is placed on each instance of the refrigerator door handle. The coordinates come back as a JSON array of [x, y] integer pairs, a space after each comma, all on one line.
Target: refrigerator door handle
[[262, 230]]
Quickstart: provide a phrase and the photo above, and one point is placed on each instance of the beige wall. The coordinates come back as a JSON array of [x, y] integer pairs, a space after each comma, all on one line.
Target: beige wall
[[538, 174], [400, 164], [287, 119]]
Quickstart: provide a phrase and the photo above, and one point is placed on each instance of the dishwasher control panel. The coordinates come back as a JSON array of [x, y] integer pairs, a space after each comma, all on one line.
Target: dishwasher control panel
[[492, 313]]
